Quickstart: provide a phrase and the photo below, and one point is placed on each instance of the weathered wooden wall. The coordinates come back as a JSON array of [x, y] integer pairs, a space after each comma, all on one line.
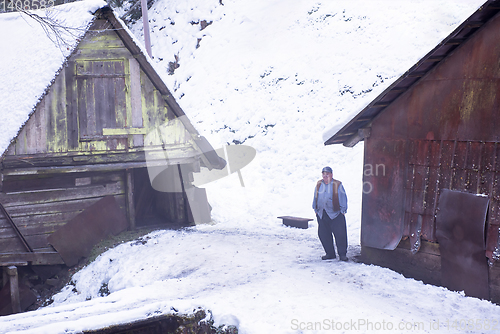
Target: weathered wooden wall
[[39, 205], [101, 102]]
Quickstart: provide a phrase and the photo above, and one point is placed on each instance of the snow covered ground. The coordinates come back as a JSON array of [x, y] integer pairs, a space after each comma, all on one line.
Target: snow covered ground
[[275, 75]]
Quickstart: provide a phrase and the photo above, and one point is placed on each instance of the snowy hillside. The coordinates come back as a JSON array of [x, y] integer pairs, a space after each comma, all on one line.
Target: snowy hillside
[[275, 75]]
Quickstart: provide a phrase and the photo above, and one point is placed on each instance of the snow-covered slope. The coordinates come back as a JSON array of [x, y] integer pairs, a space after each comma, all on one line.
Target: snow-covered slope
[[274, 75]]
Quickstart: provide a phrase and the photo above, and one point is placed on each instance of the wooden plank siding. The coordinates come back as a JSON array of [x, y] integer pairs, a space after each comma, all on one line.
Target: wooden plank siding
[[38, 208], [101, 102]]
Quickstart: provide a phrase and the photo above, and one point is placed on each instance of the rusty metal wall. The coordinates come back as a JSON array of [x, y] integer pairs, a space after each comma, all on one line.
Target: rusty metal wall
[[447, 130]]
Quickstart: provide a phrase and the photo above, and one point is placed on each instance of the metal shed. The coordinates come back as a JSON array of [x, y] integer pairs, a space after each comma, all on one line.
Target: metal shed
[[431, 198]]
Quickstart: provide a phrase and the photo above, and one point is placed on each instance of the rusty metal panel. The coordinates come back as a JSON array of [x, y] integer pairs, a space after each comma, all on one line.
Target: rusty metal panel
[[492, 242], [407, 222], [418, 202], [447, 153], [419, 177], [497, 160], [419, 152], [431, 191], [472, 181], [434, 154], [421, 187], [474, 151], [415, 233], [460, 155], [459, 177], [485, 182], [460, 223], [384, 195], [76, 239], [428, 228], [488, 156], [494, 217]]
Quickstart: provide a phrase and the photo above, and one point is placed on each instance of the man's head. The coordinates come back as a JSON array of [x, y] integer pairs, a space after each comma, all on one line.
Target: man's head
[[327, 174]]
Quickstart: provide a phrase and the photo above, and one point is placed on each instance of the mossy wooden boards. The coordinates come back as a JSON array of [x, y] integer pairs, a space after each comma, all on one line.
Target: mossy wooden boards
[[101, 101]]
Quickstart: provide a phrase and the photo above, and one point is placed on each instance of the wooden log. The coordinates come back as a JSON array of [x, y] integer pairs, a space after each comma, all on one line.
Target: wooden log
[[14, 289]]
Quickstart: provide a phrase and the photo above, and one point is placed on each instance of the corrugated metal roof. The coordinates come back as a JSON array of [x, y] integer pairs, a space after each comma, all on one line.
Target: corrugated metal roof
[[461, 34]]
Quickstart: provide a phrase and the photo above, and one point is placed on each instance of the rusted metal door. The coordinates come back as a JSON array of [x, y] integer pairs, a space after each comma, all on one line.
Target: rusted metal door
[[434, 165], [383, 193], [460, 223]]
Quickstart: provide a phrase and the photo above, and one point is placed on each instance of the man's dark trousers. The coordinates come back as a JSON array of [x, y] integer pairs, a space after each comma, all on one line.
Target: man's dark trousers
[[336, 226]]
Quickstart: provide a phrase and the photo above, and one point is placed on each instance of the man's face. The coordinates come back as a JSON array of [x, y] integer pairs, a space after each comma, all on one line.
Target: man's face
[[327, 177]]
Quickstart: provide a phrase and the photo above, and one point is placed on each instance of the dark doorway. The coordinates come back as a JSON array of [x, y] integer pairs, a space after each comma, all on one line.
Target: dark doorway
[[154, 207]]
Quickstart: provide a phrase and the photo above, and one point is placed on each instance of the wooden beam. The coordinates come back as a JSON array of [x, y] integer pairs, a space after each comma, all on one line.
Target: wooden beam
[[36, 258], [359, 136], [64, 160], [416, 74], [5, 277], [125, 131], [454, 41], [476, 24], [94, 168], [381, 104], [130, 199], [363, 119], [434, 59], [14, 289], [14, 226]]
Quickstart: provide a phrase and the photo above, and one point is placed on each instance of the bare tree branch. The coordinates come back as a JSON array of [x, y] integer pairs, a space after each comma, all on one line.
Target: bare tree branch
[[63, 36]]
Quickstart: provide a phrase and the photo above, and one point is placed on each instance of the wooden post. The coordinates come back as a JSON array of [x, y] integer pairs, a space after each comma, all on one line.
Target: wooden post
[[14, 289], [5, 277], [130, 199]]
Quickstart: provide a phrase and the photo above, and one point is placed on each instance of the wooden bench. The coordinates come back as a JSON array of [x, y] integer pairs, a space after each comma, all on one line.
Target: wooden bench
[[295, 221]]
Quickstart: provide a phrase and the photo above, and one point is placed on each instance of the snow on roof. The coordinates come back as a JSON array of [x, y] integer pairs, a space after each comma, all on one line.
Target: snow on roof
[[361, 110], [31, 60]]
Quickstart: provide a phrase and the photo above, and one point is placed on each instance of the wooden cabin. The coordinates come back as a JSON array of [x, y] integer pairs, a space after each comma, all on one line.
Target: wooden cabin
[[100, 133], [431, 192]]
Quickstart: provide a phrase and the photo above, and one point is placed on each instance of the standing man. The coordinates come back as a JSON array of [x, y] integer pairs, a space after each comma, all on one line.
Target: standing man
[[330, 205]]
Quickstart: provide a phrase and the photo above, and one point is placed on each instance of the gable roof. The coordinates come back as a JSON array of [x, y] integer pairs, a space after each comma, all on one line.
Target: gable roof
[[29, 81], [31, 60], [356, 129]]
